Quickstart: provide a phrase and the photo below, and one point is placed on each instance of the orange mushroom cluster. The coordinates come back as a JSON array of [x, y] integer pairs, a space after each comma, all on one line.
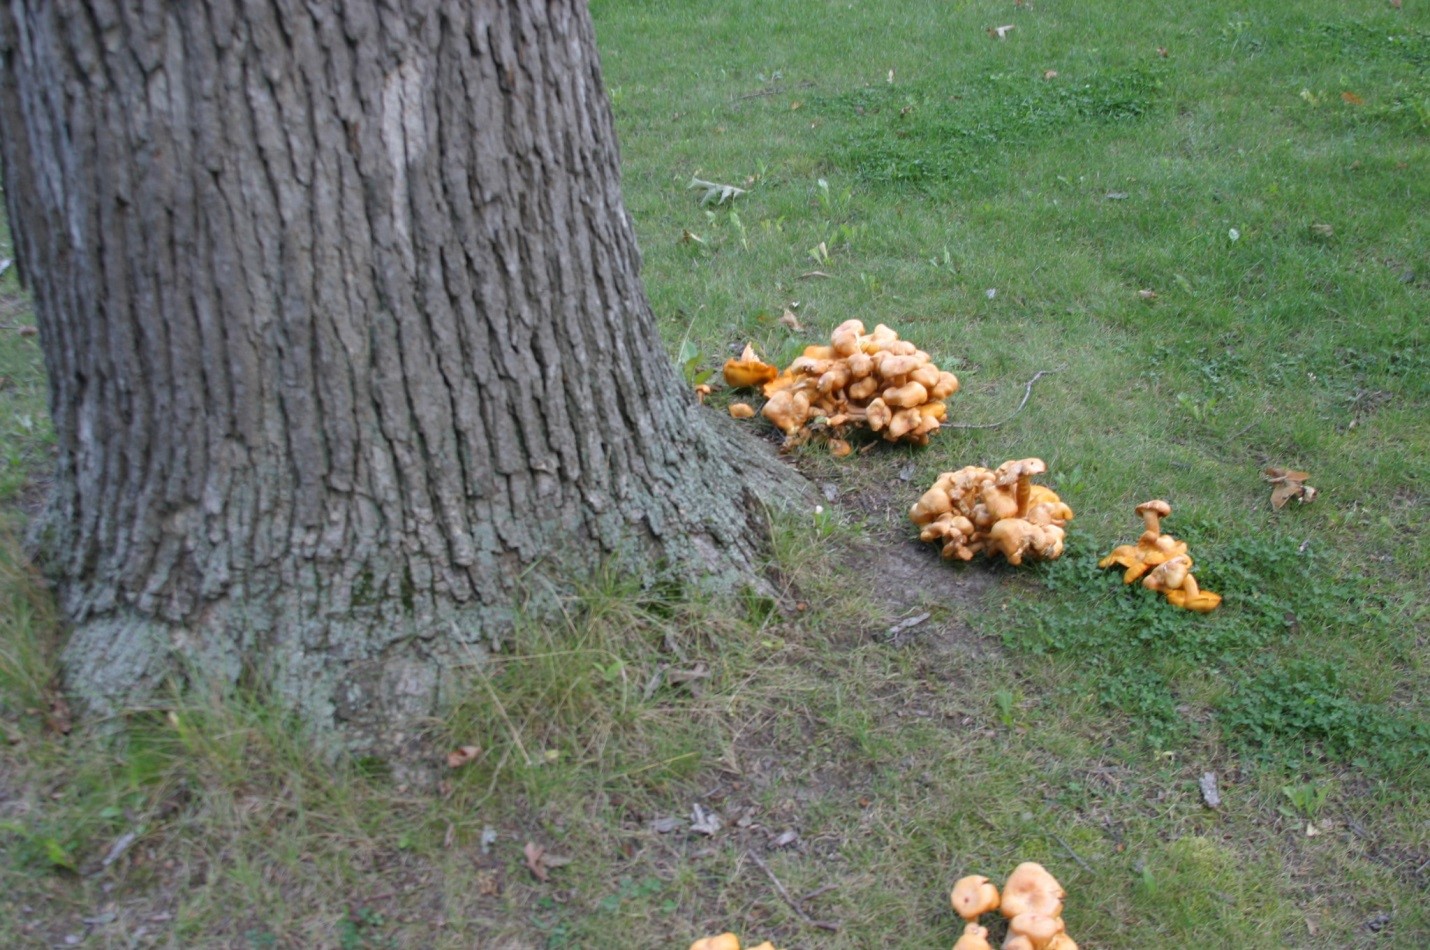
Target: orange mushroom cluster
[[1164, 561], [999, 511], [860, 380], [1031, 902], [725, 941]]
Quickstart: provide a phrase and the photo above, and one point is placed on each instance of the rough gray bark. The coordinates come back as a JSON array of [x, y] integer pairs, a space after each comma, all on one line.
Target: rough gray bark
[[346, 341]]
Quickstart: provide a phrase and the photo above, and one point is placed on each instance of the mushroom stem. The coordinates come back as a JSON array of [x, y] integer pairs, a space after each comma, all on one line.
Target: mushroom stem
[[1154, 526]]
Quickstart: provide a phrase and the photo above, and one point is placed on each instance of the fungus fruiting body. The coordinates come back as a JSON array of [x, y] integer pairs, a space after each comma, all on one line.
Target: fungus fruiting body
[[741, 410], [1030, 889], [873, 381], [1031, 901], [974, 895], [724, 941], [1039, 929], [974, 937], [998, 511], [1163, 560], [748, 371]]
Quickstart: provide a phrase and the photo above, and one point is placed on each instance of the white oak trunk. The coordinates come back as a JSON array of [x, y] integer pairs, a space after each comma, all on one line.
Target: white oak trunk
[[346, 342]]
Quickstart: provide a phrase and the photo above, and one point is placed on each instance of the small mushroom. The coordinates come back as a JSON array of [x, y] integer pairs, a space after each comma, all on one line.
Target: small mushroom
[[748, 371], [741, 410], [1031, 889], [974, 895], [974, 938], [879, 414], [839, 448], [1151, 512], [1061, 942], [1169, 575], [1040, 929]]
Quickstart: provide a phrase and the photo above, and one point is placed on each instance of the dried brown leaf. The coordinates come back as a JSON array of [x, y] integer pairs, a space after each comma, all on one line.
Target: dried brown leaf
[[461, 755], [790, 320], [534, 853]]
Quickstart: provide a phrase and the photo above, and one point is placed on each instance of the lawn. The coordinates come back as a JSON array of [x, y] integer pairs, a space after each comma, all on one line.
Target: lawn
[[1206, 225]]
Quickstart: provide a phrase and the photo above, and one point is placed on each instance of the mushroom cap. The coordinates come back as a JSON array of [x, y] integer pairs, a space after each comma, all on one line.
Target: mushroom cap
[[741, 410], [748, 370], [1030, 888], [974, 938], [1018, 943], [879, 414], [974, 895], [839, 448], [930, 505], [1169, 575], [1156, 504], [1061, 942], [1013, 537], [1038, 928], [724, 941], [845, 337], [907, 396], [1203, 601], [1014, 469]]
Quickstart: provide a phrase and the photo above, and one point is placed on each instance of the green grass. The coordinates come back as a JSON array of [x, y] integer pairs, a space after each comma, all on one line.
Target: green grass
[[1048, 714]]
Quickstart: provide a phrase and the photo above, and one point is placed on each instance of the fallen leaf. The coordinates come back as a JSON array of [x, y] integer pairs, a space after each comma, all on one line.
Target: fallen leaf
[[461, 755], [1210, 793], [715, 192], [59, 718], [487, 884], [1289, 484], [1323, 230], [704, 822], [1162, 51], [790, 320], [814, 273], [1147, 294], [664, 826], [534, 853], [1050, 74], [1350, 98], [690, 237], [1000, 32]]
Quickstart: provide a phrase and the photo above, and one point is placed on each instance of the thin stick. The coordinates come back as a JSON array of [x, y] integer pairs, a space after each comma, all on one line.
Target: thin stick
[[993, 425], [788, 899], [1068, 848]]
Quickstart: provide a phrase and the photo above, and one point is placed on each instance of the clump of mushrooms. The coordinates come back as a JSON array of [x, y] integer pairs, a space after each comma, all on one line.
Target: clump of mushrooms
[[1164, 561], [873, 381], [1031, 901], [726, 941], [998, 511]]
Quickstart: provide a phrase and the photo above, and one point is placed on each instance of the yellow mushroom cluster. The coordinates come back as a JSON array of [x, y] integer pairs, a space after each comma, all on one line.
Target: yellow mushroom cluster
[[725, 941], [998, 511], [1031, 902], [860, 380], [1163, 560]]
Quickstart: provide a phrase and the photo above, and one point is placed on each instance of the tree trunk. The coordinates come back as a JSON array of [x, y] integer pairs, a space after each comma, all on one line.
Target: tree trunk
[[346, 341]]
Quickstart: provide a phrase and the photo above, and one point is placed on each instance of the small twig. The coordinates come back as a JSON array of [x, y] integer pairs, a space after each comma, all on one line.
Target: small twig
[[773, 90], [1068, 848], [817, 892], [993, 425], [1242, 431], [788, 899]]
